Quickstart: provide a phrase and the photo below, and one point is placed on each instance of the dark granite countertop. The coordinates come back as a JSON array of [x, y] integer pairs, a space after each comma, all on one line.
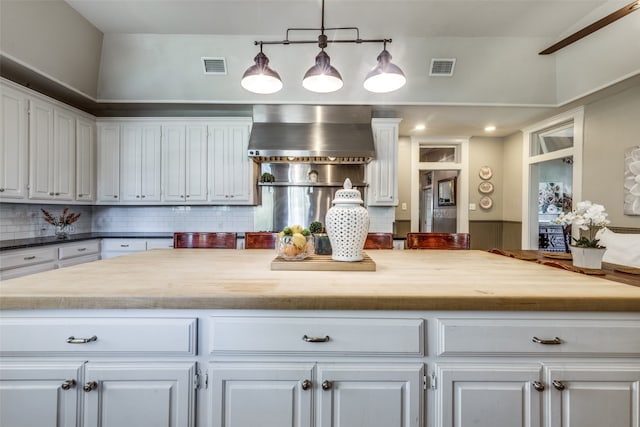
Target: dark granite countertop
[[51, 240]]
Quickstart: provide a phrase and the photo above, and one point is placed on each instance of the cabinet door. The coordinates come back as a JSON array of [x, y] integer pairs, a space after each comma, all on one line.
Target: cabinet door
[[196, 163], [64, 154], [382, 172], [85, 160], [231, 167], [139, 395], [594, 396], [39, 394], [380, 395], [40, 150], [488, 396], [173, 170], [265, 395], [13, 144], [108, 163], [140, 163], [150, 183]]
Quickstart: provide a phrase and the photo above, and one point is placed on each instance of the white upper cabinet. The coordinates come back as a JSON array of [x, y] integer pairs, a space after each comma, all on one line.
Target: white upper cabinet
[[108, 162], [382, 173], [232, 171], [140, 163], [52, 139], [184, 166], [85, 160], [13, 143]]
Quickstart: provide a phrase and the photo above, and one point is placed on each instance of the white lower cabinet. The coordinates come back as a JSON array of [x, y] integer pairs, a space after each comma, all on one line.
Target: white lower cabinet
[[593, 395], [139, 394], [488, 395], [322, 394], [43, 394], [297, 368]]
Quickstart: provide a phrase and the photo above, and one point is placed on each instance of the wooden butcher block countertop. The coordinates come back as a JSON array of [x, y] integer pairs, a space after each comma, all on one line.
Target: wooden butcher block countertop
[[243, 279]]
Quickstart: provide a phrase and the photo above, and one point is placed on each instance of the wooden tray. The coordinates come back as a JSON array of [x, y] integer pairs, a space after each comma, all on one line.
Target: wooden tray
[[556, 255], [324, 263]]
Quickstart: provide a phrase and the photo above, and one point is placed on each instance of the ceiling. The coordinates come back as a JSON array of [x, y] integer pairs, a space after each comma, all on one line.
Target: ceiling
[[548, 19]]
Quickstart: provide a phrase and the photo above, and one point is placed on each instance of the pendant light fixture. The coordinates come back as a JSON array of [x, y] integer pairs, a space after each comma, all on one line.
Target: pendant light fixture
[[259, 78], [385, 77], [323, 77]]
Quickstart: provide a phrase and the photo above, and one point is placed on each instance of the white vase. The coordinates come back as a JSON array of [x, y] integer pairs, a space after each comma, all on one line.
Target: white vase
[[587, 257], [347, 224]]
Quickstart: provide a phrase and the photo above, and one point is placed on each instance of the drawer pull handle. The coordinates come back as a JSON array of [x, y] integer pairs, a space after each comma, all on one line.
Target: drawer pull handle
[[306, 384], [74, 340], [538, 386], [554, 341], [68, 384], [124, 246], [82, 249], [91, 385], [315, 339], [28, 258], [558, 385], [326, 385]]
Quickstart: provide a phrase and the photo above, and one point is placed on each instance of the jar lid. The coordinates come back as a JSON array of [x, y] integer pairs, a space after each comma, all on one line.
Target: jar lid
[[348, 194]]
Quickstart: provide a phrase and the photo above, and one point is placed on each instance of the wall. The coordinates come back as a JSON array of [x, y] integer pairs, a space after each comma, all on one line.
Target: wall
[[610, 126], [485, 151], [52, 38]]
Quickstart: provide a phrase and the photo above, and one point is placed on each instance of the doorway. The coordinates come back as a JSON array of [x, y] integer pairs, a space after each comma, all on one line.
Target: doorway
[[438, 201], [552, 162]]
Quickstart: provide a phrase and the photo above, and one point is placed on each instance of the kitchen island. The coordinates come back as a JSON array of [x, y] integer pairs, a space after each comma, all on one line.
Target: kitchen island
[[429, 339], [232, 279]]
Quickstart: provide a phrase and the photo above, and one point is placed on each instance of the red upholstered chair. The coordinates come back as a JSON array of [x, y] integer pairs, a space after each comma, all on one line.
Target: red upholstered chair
[[204, 240], [379, 241], [260, 240], [438, 241]]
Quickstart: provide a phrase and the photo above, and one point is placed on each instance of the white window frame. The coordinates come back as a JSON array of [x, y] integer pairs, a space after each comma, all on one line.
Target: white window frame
[[529, 181]]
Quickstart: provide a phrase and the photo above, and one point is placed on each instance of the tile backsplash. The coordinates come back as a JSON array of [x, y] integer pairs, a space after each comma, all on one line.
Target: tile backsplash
[[22, 221]]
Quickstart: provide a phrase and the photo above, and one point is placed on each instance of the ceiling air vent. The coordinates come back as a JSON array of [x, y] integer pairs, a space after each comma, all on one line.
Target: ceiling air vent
[[442, 67], [214, 66]]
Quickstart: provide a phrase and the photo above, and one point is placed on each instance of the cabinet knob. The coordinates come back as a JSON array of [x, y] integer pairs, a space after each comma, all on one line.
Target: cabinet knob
[[137, 196], [306, 384], [80, 195], [143, 196], [538, 386], [51, 193], [554, 341], [326, 385], [115, 197], [91, 385], [558, 385], [57, 194], [1, 190], [188, 195], [68, 384]]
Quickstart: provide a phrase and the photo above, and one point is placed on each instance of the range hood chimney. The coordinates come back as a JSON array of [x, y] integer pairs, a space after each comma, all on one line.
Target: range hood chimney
[[313, 134]]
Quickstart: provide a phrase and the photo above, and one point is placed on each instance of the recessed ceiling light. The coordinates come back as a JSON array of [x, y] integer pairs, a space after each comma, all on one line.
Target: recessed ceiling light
[[420, 127], [490, 128]]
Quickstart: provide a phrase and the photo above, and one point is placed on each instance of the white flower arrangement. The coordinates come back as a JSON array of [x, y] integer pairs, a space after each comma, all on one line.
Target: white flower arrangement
[[588, 217]]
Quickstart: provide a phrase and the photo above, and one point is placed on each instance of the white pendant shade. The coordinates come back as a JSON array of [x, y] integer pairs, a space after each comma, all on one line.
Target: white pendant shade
[[384, 77], [322, 77], [259, 78]]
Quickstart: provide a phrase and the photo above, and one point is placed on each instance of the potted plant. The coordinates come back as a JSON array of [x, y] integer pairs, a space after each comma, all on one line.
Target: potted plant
[[590, 217], [320, 238]]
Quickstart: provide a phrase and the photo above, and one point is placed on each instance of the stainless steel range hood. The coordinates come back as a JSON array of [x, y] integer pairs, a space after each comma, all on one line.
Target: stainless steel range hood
[[315, 134]]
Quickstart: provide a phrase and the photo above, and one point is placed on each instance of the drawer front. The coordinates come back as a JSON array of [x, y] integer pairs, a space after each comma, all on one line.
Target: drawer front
[[159, 244], [317, 335], [535, 336], [124, 245], [23, 258], [45, 336], [72, 250]]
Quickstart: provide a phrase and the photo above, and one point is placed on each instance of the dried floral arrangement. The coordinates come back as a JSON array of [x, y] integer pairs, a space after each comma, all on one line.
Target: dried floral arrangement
[[65, 218]]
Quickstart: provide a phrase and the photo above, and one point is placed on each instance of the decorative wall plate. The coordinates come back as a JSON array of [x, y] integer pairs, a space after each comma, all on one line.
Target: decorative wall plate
[[485, 172], [486, 202], [485, 187]]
